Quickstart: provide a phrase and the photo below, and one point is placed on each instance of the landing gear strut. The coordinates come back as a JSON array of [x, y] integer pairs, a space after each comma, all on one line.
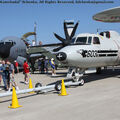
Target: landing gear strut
[[98, 70], [76, 74]]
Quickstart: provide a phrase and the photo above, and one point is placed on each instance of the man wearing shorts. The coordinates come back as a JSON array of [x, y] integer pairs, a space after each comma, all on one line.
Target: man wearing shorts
[[11, 79]]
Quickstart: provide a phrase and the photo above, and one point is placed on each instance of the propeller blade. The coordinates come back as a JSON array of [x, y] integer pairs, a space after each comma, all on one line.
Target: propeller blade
[[59, 38], [66, 32], [74, 30], [57, 49]]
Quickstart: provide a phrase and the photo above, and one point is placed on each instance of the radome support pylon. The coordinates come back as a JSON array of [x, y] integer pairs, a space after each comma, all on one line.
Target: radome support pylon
[[15, 103], [30, 85], [63, 89]]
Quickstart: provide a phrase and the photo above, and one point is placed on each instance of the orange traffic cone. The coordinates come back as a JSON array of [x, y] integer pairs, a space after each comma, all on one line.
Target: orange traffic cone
[[63, 90], [15, 103], [30, 85]]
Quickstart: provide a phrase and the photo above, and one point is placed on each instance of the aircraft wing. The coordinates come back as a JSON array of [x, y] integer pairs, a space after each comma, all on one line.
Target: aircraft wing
[[110, 15], [33, 50], [43, 50]]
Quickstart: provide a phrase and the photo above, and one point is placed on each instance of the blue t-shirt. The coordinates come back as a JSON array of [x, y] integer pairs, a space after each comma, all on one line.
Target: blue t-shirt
[[11, 68], [46, 63], [2, 68]]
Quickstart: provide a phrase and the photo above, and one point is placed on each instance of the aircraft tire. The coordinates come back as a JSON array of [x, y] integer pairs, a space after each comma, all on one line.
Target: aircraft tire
[[38, 85], [58, 86], [82, 82]]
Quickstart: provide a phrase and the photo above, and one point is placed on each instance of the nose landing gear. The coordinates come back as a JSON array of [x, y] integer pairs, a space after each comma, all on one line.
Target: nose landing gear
[[76, 75]]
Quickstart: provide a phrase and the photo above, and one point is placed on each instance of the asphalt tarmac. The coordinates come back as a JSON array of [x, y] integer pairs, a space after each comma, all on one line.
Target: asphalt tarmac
[[98, 99]]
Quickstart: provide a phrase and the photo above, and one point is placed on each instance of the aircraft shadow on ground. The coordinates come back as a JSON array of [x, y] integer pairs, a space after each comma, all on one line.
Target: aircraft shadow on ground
[[58, 74], [105, 74], [93, 76]]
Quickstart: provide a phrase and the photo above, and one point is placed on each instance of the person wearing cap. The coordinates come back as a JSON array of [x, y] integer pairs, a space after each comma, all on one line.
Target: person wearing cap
[[52, 63]]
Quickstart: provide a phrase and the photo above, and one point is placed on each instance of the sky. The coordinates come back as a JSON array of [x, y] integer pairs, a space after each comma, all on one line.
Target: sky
[[18, 19]]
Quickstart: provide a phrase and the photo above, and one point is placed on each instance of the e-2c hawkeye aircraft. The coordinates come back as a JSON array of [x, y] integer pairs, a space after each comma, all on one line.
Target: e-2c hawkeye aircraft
[[92, 50]]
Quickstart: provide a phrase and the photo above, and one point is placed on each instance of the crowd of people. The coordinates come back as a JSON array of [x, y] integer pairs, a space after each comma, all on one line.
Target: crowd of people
[[8, 70], [43, 65]]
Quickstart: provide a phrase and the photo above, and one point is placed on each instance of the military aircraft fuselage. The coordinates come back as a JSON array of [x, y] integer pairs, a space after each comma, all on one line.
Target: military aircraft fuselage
[[11, 48]]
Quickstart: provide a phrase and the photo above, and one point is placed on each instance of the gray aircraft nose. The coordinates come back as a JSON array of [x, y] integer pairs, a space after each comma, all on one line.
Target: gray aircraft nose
[[5, 49], [61, 56]]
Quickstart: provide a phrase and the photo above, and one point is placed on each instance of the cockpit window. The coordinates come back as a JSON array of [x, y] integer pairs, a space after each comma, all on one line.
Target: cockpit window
[[89, 40], [11, 43], [96, 40], [108, 34], [8, 43], [81, 40]]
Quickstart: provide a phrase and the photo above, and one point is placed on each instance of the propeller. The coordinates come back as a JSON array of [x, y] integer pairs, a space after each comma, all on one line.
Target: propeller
[[68, 38]]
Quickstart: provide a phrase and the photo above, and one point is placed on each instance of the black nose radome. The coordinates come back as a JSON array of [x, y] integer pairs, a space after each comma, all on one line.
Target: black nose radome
[[5, 49], [61, 56]]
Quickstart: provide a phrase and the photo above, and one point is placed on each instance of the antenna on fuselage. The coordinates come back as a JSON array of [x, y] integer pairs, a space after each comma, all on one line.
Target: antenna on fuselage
[[98, 30]]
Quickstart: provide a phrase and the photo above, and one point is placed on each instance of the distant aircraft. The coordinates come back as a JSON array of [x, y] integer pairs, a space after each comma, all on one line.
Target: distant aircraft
[[110, 15], [14, 48]]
